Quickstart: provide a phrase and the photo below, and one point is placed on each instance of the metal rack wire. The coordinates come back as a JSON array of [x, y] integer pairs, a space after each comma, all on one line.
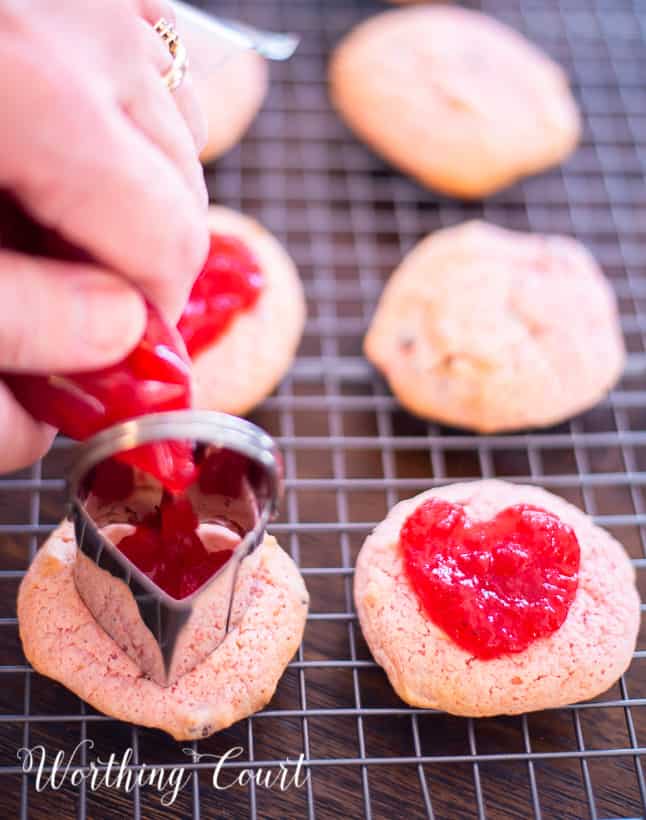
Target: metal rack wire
[[350, 453]]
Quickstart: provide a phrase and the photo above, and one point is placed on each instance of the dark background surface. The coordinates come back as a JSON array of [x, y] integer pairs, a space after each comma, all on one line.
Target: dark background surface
[[350, 453]]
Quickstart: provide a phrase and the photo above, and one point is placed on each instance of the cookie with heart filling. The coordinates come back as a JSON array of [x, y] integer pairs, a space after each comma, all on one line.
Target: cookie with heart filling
[[245, 315], [62, 640], [489, 598], [454, 98], [491, 329]]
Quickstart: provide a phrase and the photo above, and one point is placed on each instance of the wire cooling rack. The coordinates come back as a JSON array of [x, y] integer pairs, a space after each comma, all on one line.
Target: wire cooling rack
[[350, 453]]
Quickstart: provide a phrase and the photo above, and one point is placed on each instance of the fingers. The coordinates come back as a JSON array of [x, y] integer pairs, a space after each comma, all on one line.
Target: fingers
[[184, 98], [152, 10], [105, 186], [121, 199], [57, 317], [22, 439], [154, 112], [190, 108]]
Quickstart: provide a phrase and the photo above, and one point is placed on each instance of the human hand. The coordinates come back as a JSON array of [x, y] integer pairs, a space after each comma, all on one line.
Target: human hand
[[97, 148]]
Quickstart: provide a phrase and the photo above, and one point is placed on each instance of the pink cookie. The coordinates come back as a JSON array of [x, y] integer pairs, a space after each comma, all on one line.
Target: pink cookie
[[581, 659], [62, 640], [254, 353], [454, 98], [230, 84], [491, 329]]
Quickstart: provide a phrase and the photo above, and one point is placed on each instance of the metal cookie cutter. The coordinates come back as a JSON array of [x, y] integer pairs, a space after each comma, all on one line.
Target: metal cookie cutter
[[167, 637]]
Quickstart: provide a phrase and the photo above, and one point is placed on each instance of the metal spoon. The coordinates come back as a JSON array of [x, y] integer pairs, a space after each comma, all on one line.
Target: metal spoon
[[272, 45]]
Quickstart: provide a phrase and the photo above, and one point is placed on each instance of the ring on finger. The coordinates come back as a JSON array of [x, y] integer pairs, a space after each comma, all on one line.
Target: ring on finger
[[176, 73]]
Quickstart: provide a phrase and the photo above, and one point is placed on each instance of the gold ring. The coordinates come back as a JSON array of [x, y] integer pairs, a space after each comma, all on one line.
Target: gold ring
[[175, 74]]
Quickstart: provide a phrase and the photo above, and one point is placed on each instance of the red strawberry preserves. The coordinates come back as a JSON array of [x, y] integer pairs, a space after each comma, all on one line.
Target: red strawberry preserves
[[166, 546], [230, 282], [493, 586], [154, 377]]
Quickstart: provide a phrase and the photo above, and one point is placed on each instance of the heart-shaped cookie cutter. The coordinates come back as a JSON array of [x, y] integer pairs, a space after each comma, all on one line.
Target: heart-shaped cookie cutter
[[164, 636]]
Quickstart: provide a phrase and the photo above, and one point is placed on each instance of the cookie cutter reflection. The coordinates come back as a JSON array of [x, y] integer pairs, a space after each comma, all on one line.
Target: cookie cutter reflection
[[166, 632]]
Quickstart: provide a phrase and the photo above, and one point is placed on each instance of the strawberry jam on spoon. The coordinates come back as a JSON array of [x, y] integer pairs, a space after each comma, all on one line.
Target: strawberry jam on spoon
[[493, 586], [154, 377], [230, 282]]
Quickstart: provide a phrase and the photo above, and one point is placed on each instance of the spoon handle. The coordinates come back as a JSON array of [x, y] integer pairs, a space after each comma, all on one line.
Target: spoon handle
[[272, 45]]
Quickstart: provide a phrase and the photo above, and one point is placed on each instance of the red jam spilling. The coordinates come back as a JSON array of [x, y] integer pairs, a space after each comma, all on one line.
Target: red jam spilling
[[154, 377], [493, 586], [167, 548], [230, 282]]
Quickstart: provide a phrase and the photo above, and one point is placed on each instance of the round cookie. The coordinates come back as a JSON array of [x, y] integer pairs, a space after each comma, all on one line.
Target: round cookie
[[454, 98], [245, 364], [583, 658], [230, 83], [490, 329], [62, 640]]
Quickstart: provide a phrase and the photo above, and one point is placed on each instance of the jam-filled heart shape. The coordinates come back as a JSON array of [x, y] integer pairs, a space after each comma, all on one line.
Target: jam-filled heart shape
[[493, 586], [166, 546]]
